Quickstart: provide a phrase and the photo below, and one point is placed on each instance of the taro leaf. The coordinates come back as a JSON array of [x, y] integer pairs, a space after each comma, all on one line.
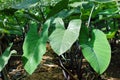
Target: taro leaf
[[25, 4], [97, 51], [66, 13], [62, 39], [109, 11], [58, 7], [34, 46], [103, 1], [5, 57], [56, 23], [77, 4], [59, 23], [32, 16]]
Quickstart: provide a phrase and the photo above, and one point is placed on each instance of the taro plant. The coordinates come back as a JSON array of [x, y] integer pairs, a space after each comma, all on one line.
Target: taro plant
[[67, 24]]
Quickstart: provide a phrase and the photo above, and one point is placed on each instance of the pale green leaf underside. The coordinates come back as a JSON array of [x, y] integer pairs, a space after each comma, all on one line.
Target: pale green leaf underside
[[58, 22], [76, 4], [103, 1], [34, 47], [25, 4], [97, 51], [62, 39], [5, 57]]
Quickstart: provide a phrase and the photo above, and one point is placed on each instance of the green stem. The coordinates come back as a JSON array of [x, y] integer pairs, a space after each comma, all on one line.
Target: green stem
[[90, 16]]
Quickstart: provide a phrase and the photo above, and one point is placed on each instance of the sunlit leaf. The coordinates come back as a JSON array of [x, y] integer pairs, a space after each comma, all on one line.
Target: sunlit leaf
[[62, 39], [111, 34], [97, 51]]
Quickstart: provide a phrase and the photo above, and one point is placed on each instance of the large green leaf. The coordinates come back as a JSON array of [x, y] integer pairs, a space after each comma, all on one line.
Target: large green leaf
[[97, 51], [67, 13], [58, 7], [34, 46], [56, 23], [25, 4], [5, 57], [62, 39]]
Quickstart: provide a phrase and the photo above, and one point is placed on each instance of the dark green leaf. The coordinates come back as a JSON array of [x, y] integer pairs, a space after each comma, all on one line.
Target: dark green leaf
[[84, 35], [58, 7], [34, 47], [8, 11]]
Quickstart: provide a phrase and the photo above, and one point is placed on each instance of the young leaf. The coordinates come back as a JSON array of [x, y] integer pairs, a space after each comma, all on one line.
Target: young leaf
[[97, 51], [5, 57], [34, 46], [61, 40]]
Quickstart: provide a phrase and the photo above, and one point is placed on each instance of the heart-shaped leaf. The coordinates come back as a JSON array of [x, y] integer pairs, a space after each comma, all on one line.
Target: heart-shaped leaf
[[34, 46], [62, 39], [97, 51]]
